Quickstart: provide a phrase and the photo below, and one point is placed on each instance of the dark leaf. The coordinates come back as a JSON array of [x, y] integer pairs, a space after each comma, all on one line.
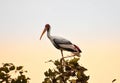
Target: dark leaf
[[6, 70], [19, 67], [67, 68], [21, 72], [46, 73], [64, 73], [57, 63], [12, 68], [113, 80], [50, 72], [47, 80], [6, 64]]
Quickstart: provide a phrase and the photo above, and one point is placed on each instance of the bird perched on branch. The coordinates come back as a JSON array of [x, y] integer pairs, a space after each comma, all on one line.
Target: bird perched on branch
[[61, 43]]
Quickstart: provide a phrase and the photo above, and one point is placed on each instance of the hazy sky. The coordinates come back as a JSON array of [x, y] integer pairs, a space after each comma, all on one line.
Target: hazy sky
[[94, 25]]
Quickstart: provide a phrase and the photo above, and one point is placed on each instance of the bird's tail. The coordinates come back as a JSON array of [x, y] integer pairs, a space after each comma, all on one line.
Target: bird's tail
[[77, 48], [78, 51]]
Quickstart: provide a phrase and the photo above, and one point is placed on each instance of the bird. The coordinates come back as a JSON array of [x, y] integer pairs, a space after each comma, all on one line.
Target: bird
[[61, 43]]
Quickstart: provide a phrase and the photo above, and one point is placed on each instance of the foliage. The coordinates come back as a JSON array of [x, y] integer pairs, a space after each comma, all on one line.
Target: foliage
[[6, 75], [113, 80], [68, 71]]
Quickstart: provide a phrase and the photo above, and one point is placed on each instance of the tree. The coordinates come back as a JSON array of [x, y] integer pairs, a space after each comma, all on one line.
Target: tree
[[7, 71], [67, 71]]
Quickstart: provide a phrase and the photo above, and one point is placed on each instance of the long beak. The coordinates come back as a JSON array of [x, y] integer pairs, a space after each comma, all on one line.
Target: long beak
[[45, 29]]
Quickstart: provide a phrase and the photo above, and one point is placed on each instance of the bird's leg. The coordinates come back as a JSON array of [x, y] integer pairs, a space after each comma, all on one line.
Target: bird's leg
[[73, 55], [68, 56], [62, 57], [62, 53]]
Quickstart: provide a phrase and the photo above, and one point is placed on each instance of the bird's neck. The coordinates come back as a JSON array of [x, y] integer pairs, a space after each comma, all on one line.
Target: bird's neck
[[48, 33]]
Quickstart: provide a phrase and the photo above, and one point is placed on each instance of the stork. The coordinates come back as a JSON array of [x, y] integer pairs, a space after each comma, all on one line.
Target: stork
[[61, 43]]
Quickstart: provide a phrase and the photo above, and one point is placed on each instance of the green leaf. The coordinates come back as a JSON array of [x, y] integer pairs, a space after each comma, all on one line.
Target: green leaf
[[59, 77], [82, 69], [79, 74], [72, 81], [73, 61]]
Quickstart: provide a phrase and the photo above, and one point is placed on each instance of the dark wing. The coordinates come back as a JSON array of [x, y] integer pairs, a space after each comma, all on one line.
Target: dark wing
[[58, 41], [61, 41]]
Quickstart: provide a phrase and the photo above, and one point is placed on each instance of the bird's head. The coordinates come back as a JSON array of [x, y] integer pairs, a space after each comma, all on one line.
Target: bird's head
[[47, 27]]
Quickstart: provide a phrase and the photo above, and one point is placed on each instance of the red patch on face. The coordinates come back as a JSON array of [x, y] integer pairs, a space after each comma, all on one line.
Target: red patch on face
[[47, 25]]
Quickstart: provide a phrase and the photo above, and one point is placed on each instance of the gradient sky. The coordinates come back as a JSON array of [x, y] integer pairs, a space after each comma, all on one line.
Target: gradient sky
[[94, 25]]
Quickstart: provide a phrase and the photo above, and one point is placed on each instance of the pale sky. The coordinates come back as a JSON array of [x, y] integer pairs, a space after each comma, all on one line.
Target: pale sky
[[94, 25]]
